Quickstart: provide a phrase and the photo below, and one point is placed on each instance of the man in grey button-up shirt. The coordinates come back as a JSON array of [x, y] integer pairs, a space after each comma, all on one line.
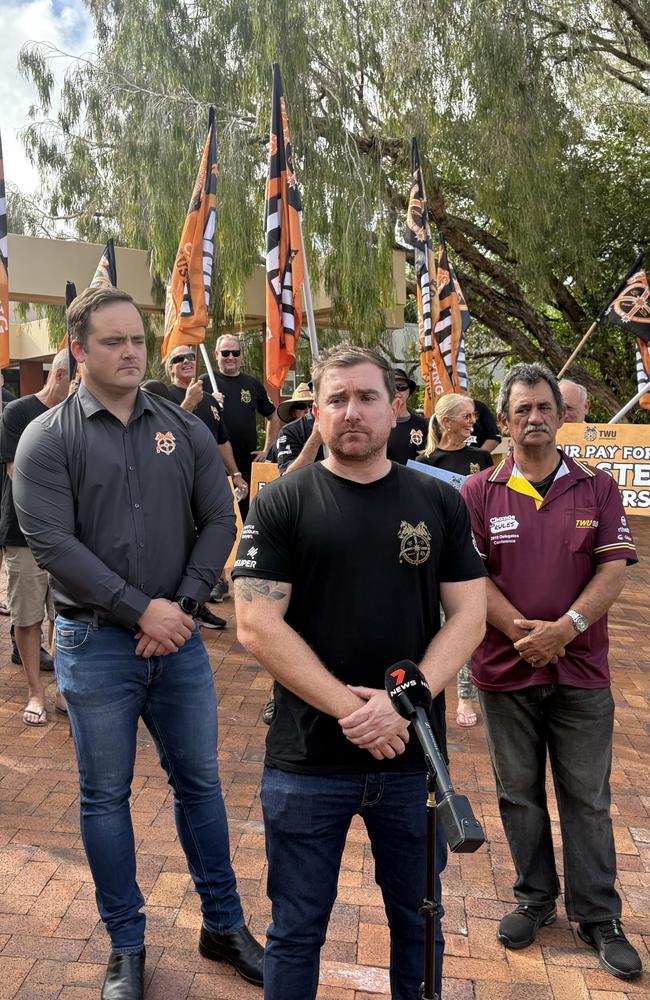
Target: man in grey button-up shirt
[[123, 499]]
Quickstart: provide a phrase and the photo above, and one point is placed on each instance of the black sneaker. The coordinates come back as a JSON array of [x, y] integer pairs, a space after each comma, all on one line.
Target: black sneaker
[[206, 619], [219, 591], [615, 953], [47, 663], [519, 928]]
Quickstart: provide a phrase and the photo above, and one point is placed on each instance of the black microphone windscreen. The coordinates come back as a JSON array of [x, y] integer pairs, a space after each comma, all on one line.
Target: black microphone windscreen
[[407, 688]]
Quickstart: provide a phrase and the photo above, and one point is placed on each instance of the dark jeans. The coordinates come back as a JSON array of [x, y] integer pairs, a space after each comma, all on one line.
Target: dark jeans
[[107, 688], [575, 726], [306, 820]]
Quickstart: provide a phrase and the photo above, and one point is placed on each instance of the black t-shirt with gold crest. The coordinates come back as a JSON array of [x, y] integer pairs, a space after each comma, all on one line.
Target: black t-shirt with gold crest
[[365, 561]]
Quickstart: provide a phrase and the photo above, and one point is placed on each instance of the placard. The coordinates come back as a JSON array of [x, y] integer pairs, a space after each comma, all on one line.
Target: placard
[[622, 450]]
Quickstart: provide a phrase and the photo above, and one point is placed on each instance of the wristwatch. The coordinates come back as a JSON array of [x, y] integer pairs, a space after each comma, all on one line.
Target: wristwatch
[[579, 622], [237, 475], [188, 605]]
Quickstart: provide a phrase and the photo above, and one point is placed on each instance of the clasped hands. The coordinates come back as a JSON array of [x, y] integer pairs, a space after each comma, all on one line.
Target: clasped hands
[[542, 642], [375, 726]]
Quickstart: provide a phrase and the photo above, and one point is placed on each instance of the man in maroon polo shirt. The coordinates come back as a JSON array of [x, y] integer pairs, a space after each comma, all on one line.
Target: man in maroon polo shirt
[[556, 541]]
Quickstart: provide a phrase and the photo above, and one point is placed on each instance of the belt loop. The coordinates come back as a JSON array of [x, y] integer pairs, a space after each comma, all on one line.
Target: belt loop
[[95, 620]]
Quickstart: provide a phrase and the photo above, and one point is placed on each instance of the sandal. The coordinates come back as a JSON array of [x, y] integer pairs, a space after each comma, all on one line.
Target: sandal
[[4, 610], [466, 719], [41, 717]]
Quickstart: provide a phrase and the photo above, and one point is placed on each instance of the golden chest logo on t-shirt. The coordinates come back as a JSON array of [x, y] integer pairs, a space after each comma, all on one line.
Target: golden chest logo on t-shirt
[[417, 436], [473, 467], [246, 396], [415, 543], [165, 443]]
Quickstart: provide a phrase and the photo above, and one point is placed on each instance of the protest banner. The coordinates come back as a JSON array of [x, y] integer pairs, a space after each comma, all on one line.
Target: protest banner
[[622, 450]]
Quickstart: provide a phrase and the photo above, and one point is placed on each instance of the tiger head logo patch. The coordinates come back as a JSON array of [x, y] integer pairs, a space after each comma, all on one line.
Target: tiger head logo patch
[[165, 443]]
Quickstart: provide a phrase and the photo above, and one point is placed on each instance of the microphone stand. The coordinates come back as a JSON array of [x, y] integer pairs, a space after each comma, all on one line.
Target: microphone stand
[[431, 907]]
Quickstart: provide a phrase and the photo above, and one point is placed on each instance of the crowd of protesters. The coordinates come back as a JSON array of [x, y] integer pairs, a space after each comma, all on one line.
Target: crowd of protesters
[[117, 516]]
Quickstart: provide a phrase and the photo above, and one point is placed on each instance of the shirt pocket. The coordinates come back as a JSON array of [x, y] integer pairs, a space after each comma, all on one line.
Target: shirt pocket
[[580, 528]]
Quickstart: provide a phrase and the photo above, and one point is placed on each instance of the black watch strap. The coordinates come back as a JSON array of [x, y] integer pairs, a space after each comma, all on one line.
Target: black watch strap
[[188, 605]]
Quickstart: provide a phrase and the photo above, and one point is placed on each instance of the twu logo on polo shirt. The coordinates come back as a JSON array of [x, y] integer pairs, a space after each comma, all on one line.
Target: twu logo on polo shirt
[[165, 443], [586, 522]]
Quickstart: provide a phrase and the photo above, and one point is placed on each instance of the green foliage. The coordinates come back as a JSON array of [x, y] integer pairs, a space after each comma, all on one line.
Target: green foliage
[[531, 117]]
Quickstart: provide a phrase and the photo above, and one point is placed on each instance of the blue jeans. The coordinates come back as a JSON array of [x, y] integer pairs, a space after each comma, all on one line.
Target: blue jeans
[[306, 819], [574, 725], [107, 689]]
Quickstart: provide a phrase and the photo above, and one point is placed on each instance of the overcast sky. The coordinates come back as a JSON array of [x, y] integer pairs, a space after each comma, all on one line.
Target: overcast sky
[[64, 23]]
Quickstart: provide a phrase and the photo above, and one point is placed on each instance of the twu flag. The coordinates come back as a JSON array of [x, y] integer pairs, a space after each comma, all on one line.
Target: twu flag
[[629, 308], [418, 235], [453, 321], [4, 271], [105, 275], [191, 278], [284, 249]]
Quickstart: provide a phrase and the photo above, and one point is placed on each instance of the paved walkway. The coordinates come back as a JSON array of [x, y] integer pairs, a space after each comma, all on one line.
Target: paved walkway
[[52, 946]]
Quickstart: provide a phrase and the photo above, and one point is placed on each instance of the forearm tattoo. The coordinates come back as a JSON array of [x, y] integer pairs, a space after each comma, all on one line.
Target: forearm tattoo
[[249, 588]]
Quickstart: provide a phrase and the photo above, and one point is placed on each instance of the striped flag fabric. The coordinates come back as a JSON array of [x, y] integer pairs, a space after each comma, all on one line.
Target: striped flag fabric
[[630, 309], [4, 271], [418, 235], [191, 276], [453, 321], [284, 248]]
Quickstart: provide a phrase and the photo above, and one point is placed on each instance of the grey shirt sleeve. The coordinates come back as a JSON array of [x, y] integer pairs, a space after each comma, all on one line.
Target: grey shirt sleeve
[[214, 517], [45, 508]]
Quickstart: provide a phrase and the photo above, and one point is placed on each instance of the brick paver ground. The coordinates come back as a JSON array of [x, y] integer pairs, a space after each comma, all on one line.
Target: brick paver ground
[[52, 946]]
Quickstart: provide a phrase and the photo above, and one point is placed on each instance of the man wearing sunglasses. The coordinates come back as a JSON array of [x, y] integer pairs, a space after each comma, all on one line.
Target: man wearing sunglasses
[[409, 436], [243, 398]]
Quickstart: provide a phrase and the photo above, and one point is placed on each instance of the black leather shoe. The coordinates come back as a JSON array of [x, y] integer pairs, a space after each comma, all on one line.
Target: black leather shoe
[[47, 663], [519, 928], [240, 949], [617, 956], [124, 977]]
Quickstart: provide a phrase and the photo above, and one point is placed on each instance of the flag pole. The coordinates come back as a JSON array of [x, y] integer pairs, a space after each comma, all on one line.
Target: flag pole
[[567, 364], [309, 305], [208, 365], [628, 406]]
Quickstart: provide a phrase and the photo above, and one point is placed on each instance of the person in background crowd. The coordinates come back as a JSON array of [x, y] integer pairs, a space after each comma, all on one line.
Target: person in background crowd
[[243, 398], [28, 585], [299, 442], [7, 397], [409, 434], [555, 541], [313, 607], [485, 432], [576, 401], [123, 498], [452, 419], [190, 394]]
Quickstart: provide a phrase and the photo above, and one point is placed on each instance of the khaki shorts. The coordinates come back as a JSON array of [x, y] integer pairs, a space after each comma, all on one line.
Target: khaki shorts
[[28, 592]]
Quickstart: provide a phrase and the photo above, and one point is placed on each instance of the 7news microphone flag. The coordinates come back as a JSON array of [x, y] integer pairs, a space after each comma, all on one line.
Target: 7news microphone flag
[[4, 271], [417, 234], [285, 270], [191, 277], [629, 308]]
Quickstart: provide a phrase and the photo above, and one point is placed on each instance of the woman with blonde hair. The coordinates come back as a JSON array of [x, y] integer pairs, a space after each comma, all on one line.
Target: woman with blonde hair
[[449, 428]]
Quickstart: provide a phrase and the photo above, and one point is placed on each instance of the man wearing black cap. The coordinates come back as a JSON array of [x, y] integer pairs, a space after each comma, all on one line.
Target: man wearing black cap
[[410, 434]]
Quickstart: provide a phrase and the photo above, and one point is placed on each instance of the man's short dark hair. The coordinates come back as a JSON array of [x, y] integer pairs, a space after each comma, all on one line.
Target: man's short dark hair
[[529, 374], [346, 356], [80, 310]]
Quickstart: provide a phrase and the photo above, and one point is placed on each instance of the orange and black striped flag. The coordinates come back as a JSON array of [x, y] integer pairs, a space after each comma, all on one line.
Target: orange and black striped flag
[[105, 275], [70, 296], [191, 278], [4, 271], [418, 235], [453, 321], [284, 249], [629, 308]]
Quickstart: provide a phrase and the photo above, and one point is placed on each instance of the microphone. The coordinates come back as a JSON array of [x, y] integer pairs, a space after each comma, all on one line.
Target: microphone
[[410, 696]]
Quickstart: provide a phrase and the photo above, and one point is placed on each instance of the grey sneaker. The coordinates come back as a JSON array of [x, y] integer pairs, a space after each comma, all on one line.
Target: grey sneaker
[[519, 928], [219, 592], [615, 953]]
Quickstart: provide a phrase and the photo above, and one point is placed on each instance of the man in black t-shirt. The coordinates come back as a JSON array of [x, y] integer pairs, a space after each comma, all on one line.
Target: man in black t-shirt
[[243, 398], [28, 588], [314, 605], [409, 436]]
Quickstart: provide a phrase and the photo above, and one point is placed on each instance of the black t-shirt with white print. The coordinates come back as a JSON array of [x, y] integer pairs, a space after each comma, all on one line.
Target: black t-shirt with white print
[[365, 561], [407, 438]]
